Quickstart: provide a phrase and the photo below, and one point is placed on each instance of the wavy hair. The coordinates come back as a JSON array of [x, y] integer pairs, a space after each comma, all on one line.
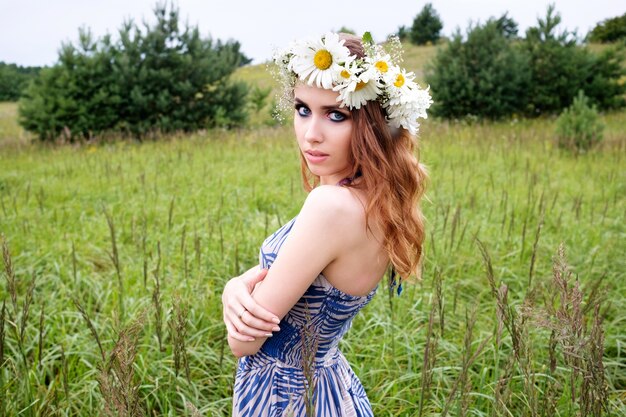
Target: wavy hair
[[391, 176]]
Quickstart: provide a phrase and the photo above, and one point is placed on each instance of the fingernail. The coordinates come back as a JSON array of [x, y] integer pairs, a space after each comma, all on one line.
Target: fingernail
[[275, 320], [251, 339], [276, 329], [268, 335]]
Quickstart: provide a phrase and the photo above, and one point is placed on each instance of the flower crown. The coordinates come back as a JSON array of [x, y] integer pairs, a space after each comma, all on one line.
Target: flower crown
[[327, 63]]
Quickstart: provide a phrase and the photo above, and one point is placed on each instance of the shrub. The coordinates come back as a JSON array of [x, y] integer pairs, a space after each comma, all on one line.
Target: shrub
[[492, 74], [483, 76], [160, 79], [426, 26], [14, 79], [560, 67], [578, 128], [609, 30]]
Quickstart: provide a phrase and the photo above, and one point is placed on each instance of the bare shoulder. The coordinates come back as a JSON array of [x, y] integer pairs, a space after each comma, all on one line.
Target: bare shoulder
[[334, 203], [336, 212]]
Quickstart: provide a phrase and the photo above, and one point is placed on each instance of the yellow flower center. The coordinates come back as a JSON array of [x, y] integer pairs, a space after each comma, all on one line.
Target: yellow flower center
[[381, 66], [360, 85], [345, 74], [323, 59], [399, 81]]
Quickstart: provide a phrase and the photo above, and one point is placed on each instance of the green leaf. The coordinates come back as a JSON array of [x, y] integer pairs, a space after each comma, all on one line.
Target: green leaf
[[367, 39]]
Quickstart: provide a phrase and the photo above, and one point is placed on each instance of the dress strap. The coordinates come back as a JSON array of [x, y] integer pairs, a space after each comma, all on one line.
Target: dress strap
[[348, 180], [345, 181]]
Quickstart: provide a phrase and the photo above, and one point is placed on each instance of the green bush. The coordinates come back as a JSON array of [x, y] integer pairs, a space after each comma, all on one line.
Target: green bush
[[426, 26], [492, 74], [14, 79], [579, 128], [609, 30], [482, 76], [560, 67], [160, 79]]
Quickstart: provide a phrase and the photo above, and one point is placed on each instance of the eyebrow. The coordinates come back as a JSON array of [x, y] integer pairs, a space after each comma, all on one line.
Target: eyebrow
[[331, 107]]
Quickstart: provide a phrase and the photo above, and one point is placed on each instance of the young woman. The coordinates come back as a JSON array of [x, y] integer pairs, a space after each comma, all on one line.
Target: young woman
[[355, 117]]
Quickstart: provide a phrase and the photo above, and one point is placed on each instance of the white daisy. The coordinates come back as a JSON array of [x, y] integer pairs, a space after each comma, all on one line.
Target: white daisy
[[405, 109], [359, 88], [400, 82], [319, 61], [382, 64]]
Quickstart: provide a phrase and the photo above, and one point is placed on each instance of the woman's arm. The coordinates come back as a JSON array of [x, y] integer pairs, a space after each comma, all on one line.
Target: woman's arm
[[244, 318], [315, 240]]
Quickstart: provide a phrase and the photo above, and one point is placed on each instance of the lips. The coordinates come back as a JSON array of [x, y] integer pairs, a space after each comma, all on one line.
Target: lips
[[315, 157], [316, 153]]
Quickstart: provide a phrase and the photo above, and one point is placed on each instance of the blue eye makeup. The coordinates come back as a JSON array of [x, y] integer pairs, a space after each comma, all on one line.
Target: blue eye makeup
[[337, 116], [302, 110], [333, 115]]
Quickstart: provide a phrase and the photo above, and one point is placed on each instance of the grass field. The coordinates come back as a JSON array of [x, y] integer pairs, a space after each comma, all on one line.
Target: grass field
[[90, 230], [115, 255]]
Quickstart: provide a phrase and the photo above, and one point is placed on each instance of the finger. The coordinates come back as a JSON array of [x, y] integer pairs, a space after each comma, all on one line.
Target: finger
[[259, 312], [254, 278], [259, 324], [244, 329], [232, 332]]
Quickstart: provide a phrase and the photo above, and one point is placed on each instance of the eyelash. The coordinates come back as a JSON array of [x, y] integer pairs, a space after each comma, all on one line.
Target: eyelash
[[342, 116]]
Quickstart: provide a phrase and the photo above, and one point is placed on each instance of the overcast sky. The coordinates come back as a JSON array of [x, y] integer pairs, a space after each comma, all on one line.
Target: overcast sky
[[31, 31]]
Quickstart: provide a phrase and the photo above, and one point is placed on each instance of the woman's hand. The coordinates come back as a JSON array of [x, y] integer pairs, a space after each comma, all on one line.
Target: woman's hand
[[244, 318]]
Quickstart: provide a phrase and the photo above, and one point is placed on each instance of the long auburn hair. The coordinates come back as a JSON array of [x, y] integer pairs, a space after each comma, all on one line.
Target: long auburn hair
[[391, 176]]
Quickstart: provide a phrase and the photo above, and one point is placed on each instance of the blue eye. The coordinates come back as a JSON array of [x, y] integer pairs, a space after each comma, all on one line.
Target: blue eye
[[337, 116], [302, 110]]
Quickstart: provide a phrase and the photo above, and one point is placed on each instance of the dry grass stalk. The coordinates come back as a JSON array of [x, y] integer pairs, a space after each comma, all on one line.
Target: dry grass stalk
[[192, 409], [90, 325], [569, 318], [534, 252], [65, 372], [41, 333], [178, 334], [9, 273], [502, 392], [594, 390], [2, 386], [309, 351], [114, 255], [198, 250], [468, 360], [116, 380], [28, 300], [440, 303], [4, 209], [74, 264], [517, 327], [456, 220], [144, 253], [582, 350], [430, 350], [170, 213], [156, 300]]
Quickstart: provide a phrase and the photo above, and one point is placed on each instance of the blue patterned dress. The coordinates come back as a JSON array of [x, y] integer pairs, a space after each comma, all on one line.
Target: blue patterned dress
[[272, 382]]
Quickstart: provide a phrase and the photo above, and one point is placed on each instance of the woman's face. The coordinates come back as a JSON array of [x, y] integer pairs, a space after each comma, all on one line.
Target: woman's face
[[324, 132]]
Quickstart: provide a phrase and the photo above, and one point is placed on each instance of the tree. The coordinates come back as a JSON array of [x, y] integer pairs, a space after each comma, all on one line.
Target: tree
[[609, 30], [560, 67], [161, 78], [426, 26], [14, 79], [345, 29], [507, 26], [482, 76], [491, 75]]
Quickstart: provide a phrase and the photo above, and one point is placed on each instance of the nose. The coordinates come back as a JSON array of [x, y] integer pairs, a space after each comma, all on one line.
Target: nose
[[314, 131]]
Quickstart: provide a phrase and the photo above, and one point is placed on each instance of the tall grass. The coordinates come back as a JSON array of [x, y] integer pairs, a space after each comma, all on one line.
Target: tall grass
[[122, 310]]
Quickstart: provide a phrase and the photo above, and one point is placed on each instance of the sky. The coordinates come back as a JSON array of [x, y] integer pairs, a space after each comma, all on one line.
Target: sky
[[31, 32]]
